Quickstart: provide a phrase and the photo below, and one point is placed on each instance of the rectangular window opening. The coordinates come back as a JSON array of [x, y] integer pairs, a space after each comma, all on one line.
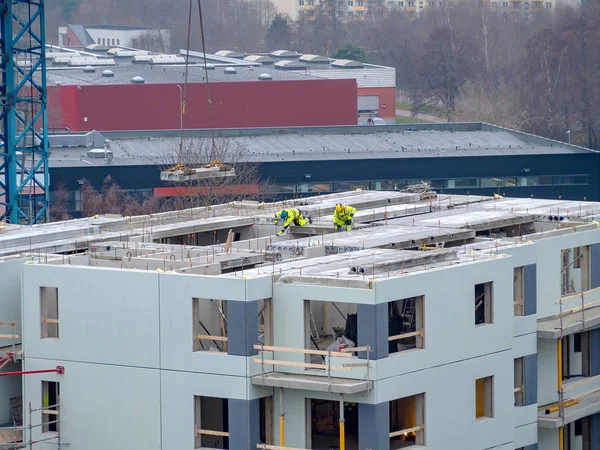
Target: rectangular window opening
[[50, 406], [328, 325], [519, 291], [407, 421], [211, 422], [209, 325], [519, 388], [49, 312], [406, 324], [484, 395], [483, 303]]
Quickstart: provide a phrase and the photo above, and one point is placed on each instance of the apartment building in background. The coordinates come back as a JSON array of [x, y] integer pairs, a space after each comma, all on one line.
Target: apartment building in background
[[443, 322], [353, 9], [77, 35]]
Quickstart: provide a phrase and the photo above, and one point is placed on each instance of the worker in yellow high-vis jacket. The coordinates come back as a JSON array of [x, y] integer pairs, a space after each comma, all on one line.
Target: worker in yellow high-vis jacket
[[290, 216], [343, 215]]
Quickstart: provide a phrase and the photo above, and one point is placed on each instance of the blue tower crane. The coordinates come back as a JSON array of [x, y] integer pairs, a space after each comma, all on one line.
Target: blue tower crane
[[24, 178]]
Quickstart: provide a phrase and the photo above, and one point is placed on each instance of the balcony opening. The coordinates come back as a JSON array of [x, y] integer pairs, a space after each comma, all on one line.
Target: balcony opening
[[406, 324], [575, 270], [324, 419], [329, 326], [483, 303], [484, 395], [407, 422], [209, 325], [576, 354], [211, 422]]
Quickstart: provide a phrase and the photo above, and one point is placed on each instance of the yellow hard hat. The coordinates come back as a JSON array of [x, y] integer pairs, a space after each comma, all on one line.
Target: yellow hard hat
[[339, 207]]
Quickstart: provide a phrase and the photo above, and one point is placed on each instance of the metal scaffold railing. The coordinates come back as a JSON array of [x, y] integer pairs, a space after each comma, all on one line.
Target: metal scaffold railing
[[565, 400]]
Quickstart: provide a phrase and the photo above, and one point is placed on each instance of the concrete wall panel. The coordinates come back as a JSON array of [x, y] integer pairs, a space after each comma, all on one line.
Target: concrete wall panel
[[106, 316]]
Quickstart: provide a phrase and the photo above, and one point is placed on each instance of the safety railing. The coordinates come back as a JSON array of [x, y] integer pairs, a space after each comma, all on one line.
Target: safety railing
[[12, 335], [328, 366], [592, 296]]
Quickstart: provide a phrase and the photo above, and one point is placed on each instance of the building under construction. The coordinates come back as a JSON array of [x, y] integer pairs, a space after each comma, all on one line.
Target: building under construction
[[440, 321]]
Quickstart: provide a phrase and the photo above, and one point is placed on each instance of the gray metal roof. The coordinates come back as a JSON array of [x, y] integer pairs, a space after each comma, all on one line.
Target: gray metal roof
[[342, 144], [163, 74]]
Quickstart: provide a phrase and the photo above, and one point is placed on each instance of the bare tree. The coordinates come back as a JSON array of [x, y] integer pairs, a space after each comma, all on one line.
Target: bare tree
[[448, 59], [246, 184], [150, 40]]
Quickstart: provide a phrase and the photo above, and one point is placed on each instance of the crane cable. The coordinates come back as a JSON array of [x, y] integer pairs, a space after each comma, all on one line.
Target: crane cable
[[187, 59], [208, 96], [213, 155]]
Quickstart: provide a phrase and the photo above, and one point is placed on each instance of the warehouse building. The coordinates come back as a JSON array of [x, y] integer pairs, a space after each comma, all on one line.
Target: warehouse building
[[202, 329], [113, 89], [467, 158]]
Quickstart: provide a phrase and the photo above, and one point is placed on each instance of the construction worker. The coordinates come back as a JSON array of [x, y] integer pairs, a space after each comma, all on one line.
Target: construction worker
[[291, 215], [343, 215]]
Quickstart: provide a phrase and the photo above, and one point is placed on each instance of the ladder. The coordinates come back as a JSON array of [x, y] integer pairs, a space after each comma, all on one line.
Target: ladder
[[409, 315], [313, 329]]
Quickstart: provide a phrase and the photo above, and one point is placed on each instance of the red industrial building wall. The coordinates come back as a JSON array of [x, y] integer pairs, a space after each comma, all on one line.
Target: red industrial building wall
[[235, 105], [387, 100]]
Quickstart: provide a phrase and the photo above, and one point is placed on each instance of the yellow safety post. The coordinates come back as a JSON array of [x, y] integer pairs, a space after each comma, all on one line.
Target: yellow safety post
[[560, 371], [281, 420], [342, 431]]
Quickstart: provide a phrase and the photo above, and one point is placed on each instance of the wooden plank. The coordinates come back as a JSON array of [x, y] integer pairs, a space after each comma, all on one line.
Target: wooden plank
[[518, 302], [518, 389], [276, 447], [46, 320], [299, 364], [9, 336], [356, 349], [405, 335], [212, 433], [407, 430], [587, 306], [208, 337], [50, 411], [581, 383], [571, 298], [270, 348], [583, 394]]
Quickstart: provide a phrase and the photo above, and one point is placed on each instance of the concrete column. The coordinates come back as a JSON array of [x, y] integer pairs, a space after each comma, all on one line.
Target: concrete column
[[595, 352], [373, 426], [530, 289], [372, 324], [530, 379], [594, 266], [242, 328], [244, 424]]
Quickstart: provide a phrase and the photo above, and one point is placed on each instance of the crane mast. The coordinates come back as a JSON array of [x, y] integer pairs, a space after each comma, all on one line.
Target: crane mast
[[24, 176]]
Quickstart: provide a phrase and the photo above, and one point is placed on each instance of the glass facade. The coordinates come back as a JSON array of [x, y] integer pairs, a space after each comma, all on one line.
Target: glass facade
[[437, 184]]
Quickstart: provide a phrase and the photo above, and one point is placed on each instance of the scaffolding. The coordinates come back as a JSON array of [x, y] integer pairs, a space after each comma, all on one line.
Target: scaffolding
[[563, 402]]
